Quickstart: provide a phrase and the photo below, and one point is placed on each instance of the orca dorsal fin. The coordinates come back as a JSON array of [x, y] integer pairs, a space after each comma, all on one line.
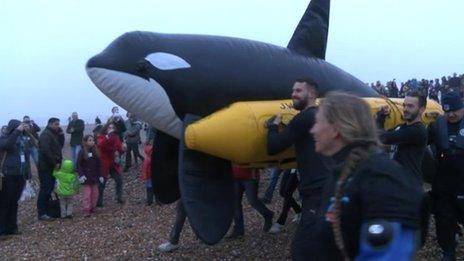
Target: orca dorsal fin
[[310, 36]]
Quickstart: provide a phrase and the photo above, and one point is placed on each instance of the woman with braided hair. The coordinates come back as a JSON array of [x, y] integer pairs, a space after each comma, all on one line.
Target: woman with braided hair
[[371, 206]]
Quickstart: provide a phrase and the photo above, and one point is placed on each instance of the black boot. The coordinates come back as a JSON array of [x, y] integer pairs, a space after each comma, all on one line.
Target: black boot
[[448, 255], [149, 196]]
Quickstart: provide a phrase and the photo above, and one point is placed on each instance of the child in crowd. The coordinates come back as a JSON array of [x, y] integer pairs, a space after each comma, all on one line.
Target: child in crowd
[[67, 186], [89, 169], [146, 173]]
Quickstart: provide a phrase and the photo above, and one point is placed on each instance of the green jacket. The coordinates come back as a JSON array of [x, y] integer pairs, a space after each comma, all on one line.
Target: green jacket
[[68, 184]]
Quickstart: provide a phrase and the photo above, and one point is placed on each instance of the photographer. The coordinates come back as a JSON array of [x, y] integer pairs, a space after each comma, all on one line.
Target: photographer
[[34, 138], [15, 170], [117, 120]]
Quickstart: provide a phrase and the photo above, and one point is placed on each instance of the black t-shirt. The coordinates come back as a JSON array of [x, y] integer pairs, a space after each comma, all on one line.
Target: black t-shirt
[[313, 167], [378, 189], [410, 143]]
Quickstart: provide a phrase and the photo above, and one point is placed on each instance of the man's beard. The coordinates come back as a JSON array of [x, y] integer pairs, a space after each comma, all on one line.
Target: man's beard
[[411, 117], [299, 104]]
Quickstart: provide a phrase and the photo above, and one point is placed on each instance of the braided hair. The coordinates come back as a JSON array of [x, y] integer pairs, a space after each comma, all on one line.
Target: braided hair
[[351, 116]]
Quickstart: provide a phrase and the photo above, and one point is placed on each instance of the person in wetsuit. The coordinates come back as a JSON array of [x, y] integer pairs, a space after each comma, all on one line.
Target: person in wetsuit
[[410, 138], [312, 167]]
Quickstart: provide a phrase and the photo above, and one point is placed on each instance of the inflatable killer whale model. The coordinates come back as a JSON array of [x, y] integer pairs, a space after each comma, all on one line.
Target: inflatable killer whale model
[[172, 80]]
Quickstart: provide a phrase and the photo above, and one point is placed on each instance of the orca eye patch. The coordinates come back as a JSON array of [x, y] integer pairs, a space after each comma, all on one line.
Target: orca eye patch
[[167, 61]]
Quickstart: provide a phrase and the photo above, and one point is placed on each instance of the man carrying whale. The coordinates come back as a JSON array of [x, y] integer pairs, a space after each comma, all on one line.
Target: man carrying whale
[[313, 167]]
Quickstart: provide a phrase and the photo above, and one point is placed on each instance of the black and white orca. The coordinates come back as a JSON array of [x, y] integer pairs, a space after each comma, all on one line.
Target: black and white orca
[[162, 78]]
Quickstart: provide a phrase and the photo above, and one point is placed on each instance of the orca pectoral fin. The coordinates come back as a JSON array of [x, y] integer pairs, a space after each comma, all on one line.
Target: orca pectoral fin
[[310, 36], [207, 190], [164, 166]]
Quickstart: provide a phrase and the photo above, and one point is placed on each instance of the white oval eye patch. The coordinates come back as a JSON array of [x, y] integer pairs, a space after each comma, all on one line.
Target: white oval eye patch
[[167, 61]]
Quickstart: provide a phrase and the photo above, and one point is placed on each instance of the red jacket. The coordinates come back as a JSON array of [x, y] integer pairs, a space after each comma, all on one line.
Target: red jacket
[[245, 174], [107, 148], [146, 166]]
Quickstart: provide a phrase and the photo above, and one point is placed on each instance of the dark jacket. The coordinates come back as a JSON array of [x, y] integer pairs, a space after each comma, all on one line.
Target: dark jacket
[[89, 166], [77, 132], [35, 129], [49, 149], [14, 152], [132, 133], [377, 189], [313, 167], [120, 126]]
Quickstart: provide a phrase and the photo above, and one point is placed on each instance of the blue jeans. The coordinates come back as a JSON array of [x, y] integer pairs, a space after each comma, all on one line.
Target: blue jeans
[[34, 155], [272, 183], [75, 152], [47, 184]]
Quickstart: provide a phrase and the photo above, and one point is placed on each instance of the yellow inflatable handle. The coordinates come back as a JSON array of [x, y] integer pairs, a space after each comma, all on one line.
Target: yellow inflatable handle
[[238, 133]]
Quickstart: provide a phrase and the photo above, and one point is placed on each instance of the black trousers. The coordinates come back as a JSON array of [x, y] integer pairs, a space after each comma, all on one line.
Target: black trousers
[[448, 209], [288, 186], [47, 184], [12, 187], [118, 185], [132, 149], [250, 188], [303, 242]]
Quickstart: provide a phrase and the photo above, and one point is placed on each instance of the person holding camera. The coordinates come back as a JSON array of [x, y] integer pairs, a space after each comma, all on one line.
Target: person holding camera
[[34, 139], [14, 171], [118, 122]]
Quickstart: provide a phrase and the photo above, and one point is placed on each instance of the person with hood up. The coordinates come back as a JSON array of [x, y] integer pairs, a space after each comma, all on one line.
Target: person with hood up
[[14, 171], [67, 187]]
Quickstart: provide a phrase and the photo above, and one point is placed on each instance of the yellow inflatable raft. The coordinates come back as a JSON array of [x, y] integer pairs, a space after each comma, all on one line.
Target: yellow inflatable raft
[[237, 132]]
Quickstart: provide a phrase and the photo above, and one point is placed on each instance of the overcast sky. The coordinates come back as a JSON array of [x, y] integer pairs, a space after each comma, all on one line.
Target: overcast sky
[[45, 44]]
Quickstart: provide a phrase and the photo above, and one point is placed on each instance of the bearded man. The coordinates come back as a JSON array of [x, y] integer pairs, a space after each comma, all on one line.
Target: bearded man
[[409, 140], [312, 167]]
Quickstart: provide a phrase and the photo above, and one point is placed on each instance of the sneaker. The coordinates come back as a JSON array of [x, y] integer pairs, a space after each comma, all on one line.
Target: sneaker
[[276, 228], [268, 222], [296, 218], [45, 218], [168, 247]]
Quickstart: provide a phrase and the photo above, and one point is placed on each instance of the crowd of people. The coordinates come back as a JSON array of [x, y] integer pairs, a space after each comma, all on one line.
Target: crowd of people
[[433, 89], [355, 201]]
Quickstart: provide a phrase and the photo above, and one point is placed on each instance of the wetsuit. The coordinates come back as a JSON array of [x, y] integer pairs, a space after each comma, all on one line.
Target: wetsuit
[[313, 169]]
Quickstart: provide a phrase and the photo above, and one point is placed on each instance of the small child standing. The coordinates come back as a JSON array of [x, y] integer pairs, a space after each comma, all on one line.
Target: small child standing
[[67, 187], [146, 173], [88, 167]]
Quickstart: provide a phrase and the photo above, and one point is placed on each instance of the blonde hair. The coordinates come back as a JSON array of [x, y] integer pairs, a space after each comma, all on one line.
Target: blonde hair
[[351, 116]]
